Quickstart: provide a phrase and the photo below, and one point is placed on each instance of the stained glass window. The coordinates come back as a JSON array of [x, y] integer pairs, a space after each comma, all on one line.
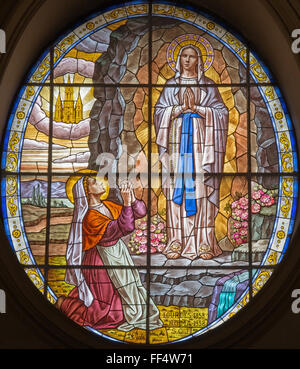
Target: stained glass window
[[149, 174]]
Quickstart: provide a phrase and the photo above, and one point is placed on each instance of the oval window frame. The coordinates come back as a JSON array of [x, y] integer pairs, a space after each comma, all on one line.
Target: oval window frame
[[264, 287]]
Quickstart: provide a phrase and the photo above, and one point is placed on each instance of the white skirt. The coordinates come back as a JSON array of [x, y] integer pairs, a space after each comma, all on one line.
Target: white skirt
[[131, 290]]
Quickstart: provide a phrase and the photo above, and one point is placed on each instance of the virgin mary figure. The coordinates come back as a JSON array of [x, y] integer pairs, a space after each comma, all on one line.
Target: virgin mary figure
[[104, 298], [191, 123]]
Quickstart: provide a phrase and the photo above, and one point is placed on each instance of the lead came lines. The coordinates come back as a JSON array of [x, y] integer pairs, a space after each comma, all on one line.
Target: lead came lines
[[150, 87]]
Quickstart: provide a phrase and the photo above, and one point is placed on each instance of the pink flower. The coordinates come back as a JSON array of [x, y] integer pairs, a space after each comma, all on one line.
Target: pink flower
[[243, 231], [153, 250], [243, 202], [143, 240], [237, 224], [161, 247], [160, 236], [142, 248], [237, 238], [145, 232], [137, 239], [265, 199], [155, 242], [239, 241], [153, 236], [160, 225], [271, 202], [139, 232], [236, 235], [256, 195], [244, 224], [234, 204], [238, 212], [244, 215], [153, 227], [255, 208], [143, 224]]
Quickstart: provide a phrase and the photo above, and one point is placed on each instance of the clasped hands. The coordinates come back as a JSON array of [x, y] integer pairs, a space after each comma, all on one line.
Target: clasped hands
[[188, 100], [127, 193], [189, 104]]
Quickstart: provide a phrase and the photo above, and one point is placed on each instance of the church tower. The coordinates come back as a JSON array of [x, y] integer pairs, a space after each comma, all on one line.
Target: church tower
[[58, 114], [78, 109], [65, 111], [68, 109]]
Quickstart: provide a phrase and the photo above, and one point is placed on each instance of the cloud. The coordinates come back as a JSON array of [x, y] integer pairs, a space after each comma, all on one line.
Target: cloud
[[82, 157], [65, 131], [39, 145]]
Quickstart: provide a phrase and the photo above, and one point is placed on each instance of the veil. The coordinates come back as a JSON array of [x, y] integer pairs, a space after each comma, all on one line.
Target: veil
[[200, 64], [74, 249]]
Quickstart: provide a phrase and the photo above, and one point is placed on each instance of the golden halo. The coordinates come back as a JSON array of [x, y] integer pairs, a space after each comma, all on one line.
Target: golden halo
[[204, 46], [188, 42], [74, 179]]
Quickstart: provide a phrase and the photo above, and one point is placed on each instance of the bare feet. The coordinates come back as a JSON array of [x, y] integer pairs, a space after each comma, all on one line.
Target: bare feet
[[173, 251], [172, 255], [205, 252], [206, 256]]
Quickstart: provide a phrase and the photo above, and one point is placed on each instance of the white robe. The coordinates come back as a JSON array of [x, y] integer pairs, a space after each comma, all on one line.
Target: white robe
[[196, 233]]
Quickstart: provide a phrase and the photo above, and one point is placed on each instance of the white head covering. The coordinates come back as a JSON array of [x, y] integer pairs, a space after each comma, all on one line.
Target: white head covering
[[74, 250], [200, 64]]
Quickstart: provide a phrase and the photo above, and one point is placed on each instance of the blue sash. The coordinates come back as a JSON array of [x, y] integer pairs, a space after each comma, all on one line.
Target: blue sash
[[184, 177]]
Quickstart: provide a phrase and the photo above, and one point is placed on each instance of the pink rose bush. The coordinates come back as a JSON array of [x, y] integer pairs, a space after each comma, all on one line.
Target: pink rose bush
[[255, 208], [261, 199], [139, 239]]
